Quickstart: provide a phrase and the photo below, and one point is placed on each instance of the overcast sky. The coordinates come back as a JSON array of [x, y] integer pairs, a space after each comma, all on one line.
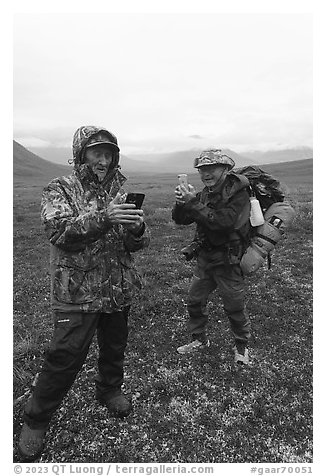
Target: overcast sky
[[164, 82]]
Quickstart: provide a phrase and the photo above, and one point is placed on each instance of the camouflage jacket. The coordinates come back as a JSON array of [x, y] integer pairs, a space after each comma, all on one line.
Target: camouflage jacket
[[217, 213], [90, 262]]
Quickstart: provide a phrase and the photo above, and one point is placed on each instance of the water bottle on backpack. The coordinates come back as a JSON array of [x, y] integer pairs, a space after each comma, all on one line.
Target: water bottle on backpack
[[256, 214]]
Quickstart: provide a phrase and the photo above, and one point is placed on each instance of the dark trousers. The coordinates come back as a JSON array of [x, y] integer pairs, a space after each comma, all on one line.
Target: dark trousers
[[230, 284], [73, 334]]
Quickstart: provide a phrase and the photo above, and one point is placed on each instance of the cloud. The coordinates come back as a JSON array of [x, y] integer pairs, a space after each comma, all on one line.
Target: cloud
[[154, 79]]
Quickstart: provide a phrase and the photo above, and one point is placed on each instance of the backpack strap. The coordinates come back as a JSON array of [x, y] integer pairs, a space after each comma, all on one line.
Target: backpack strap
[[242, 226]]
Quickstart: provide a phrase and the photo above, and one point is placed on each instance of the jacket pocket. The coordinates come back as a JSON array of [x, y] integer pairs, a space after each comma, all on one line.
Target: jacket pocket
[[234, 252], [75, 285]]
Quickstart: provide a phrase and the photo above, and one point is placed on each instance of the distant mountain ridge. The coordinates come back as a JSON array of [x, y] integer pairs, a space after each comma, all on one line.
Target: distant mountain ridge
[[181, 161], [282, 155], [174, 162], [28, 166]]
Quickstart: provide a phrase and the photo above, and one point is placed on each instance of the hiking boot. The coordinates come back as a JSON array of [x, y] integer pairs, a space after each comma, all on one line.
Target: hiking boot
[[117, 404], [193, 346], [241, 354], [31, 443]]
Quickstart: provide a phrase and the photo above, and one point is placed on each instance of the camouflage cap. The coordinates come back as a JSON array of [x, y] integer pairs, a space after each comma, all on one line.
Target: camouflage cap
[[213, 157], [103, 137]]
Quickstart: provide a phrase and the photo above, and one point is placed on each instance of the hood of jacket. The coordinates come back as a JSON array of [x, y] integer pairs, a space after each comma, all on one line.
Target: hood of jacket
[[83, 136]]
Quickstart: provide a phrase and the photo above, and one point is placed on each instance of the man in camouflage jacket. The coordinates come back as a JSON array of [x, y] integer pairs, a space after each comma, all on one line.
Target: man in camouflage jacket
[[91, 236], [221, 213]]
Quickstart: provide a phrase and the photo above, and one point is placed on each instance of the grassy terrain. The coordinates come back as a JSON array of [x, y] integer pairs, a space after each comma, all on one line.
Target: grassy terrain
[[189, 409]]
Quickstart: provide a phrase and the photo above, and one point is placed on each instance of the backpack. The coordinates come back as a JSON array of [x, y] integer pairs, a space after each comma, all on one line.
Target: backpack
[[278, 214]]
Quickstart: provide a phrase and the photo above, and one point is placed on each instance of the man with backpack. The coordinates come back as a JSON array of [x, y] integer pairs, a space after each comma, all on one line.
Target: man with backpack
[[221, 213]]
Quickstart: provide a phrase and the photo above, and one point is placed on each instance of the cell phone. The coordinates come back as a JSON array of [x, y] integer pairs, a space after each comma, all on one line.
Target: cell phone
[[136, 198], [183, 179]]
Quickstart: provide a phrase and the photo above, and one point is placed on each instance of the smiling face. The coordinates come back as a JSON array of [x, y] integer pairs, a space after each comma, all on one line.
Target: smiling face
[[212, 175], [99, 158]]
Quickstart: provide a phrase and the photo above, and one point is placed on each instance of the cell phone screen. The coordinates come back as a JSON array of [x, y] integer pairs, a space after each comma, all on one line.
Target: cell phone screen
[[136, 198]]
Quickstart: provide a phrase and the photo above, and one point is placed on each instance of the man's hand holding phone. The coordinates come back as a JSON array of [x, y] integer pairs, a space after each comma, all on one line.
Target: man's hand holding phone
[[129, 214], [126, 214]]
